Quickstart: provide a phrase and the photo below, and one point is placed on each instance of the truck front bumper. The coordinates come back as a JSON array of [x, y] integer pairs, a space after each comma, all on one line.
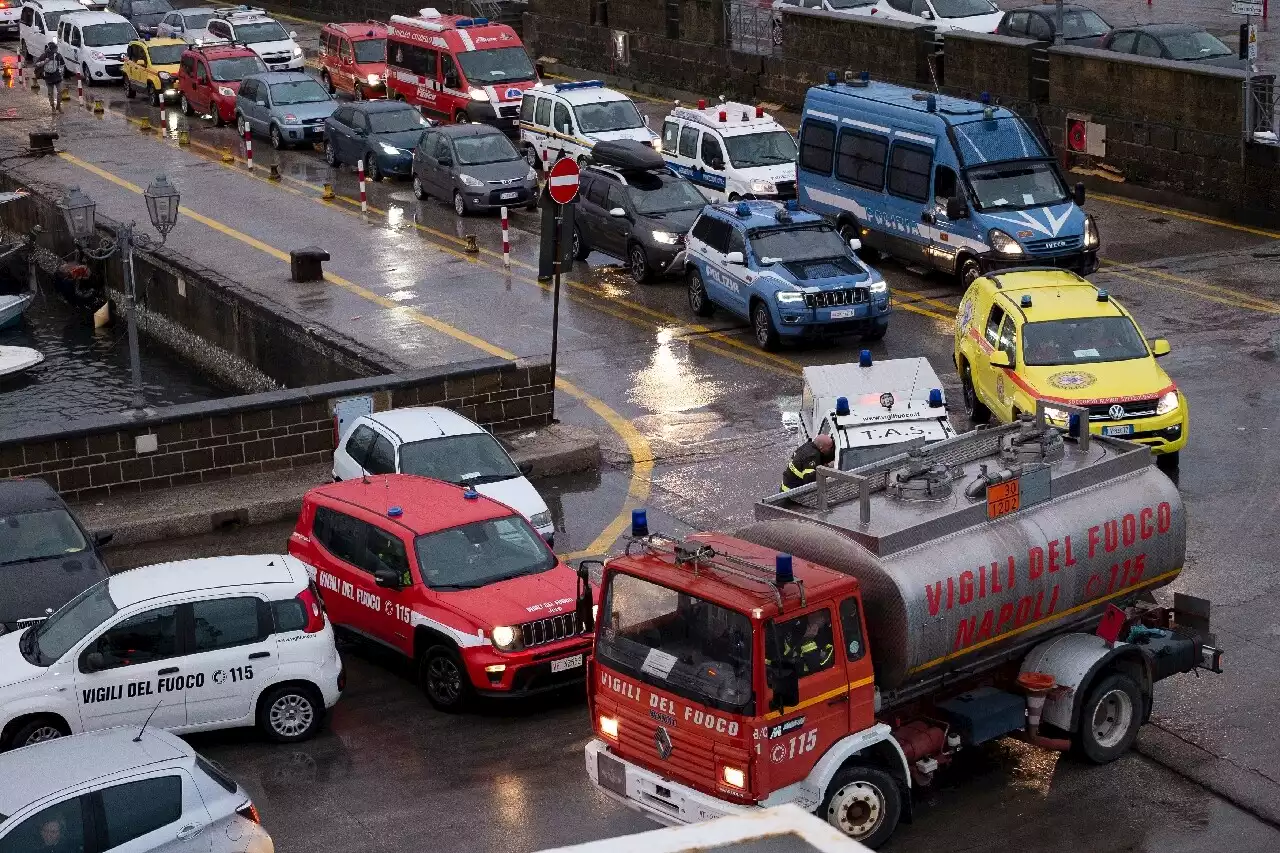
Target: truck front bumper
[[1081, 261], [661, 799]]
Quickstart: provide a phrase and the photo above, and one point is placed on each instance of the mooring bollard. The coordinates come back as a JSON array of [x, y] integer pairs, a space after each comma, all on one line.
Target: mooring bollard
[[184, 136], [98, 107], [274, 174], [472, 246], [227, 156], [327, 195]]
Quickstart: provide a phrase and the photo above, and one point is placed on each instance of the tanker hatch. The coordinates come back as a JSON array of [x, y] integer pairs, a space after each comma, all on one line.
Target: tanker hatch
[[1030, 444]]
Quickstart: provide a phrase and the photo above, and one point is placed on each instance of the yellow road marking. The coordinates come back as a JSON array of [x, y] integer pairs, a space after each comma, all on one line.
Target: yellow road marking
[[637, 445], [1182, 214], [1211, 297], [1243, 296]]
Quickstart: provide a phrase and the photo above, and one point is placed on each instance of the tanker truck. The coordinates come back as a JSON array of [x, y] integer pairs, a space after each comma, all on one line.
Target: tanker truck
[[840, 650]]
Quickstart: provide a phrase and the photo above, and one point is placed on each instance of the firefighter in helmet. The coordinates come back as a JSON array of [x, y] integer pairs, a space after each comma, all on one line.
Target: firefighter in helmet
[[819, 450], [810, 643]]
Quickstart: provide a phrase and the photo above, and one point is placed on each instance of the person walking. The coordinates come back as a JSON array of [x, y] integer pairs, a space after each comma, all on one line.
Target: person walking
[[51, 70]]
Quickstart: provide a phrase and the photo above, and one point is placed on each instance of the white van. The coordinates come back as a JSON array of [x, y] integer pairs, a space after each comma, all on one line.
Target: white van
[[93, 44], [38, 24], [731, 151], [568, 119]]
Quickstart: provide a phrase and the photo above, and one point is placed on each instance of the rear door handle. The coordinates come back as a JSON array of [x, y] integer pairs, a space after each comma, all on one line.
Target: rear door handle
[[168, 670], [257, 655], [189, 831]]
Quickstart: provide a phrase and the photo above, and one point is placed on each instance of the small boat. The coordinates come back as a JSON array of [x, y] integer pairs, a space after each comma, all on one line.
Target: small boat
[[17, 359], [12, 307]]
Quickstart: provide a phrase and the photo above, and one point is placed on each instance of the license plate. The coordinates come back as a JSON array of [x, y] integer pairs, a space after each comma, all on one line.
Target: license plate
[[1126, 429], [565, 664], [612, 773], [843, 313], [505, 196]]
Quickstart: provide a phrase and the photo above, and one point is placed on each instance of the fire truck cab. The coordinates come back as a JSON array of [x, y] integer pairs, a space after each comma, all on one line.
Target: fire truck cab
[[459, 69]]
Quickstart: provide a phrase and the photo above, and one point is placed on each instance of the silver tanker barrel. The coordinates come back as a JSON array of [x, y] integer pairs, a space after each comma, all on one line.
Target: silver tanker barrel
[[971, 550]]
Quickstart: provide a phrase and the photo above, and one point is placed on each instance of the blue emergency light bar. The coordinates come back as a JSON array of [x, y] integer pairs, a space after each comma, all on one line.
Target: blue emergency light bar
[[864, 358], [463, 23], [832, 77], [578, 84], [783, 571], [842, 407], [743, 209], [470, 493], [793, 205], [394, 512], [1026, 300], [639, 522]]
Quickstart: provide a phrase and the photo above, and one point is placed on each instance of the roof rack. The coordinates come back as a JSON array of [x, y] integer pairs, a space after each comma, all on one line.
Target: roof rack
[[232, 11]]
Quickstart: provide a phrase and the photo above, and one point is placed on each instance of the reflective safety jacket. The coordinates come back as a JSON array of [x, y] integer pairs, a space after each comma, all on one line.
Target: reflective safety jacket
[[803, 467]]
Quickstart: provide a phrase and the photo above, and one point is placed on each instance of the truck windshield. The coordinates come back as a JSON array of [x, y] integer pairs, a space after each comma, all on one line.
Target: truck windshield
[[672, 640], [238, 68], [474, 458], [43, 645], [607, 116], [1015, 185], [38, 536], [811, 243], [196, 20], [104, 35], [761, 149], [481, 553], [500, 65], [1081, 341], [370, 50]]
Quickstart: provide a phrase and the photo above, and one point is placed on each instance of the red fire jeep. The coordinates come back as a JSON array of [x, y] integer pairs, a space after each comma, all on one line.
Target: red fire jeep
[[458, 582], [353, 59], [209, 77]]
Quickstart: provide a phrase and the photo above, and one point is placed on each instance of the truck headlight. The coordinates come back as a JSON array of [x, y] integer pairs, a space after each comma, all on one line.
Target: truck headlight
[[881, 286], [788, 296], [1168, 403], [1090, 233], [541, 519], [469, 181], [609, 727], [1003, 243], [373, 79], [764, 187], [478, 94], [733, 777], [666, 238], [506, 638]]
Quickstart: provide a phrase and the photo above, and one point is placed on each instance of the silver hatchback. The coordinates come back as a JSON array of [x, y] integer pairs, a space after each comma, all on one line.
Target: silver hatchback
[[475, 167]]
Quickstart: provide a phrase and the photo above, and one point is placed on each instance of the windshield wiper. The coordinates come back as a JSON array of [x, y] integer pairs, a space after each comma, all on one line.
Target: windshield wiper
[[452, 587], [487, 478]]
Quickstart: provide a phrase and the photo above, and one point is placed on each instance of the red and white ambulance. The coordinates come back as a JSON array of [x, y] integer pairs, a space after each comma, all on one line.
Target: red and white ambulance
[[459, 69]]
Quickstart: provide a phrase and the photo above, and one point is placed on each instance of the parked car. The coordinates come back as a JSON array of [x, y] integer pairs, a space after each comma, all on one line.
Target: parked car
[[1180, 42], [288, 107], [975, 16], [93, 44], [10, 17], [46, 557], [38, 24], [353, 59], [844, 7], [151, 66], [255, 29], [633, 208], [186, 24], [209, 79], [1081, 26], [383, 134], [125, 790], [475, 166], [145, 15], [430, 441]]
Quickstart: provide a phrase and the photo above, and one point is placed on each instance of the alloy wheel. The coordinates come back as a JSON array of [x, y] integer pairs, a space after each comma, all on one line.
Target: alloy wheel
[[291, 715]]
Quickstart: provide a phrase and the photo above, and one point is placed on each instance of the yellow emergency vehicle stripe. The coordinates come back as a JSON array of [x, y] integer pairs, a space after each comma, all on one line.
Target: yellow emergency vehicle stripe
[[822, 697]]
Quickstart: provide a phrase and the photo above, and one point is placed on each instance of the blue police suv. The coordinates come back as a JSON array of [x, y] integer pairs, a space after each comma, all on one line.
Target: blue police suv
[[787, 271]]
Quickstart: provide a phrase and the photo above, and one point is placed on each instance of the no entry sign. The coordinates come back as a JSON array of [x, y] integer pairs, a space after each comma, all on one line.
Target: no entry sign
[[562, 181]]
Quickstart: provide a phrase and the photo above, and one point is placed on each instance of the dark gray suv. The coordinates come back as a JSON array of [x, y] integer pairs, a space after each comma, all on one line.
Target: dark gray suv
[[475, 167]]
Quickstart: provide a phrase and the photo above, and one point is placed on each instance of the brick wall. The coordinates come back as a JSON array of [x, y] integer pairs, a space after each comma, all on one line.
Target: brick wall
[[202, 442]]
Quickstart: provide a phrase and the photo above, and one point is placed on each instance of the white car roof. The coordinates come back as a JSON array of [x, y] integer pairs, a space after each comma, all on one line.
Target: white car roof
[[417, 423], [54, 5], [905, 378], [583, 96], [32, 773], [88, 19], [148, 582]]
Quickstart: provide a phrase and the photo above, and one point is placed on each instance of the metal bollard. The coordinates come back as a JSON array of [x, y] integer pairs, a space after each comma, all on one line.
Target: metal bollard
[[248, 148], [328, 192], [364, 199], [227, 156], [80, 88], [472, 247], [506, 242], [184, 136], [98, 107], [274, 174]]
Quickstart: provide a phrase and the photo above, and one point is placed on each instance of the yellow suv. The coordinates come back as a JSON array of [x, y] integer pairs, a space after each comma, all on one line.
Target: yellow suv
[[152, 67], [1029, 334]]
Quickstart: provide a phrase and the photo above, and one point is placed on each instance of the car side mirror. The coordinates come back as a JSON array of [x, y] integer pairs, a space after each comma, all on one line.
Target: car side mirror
[[1078, 195], [104, 537], [93, 662], [717, 164], [260, 102], [734, 258], [619, 212], [388, 578], [855, 244], [1000, 358], [292, 34], [956, 208], [786, 686], [927, 15], [1159, 347], [585, 608], [645, 119]]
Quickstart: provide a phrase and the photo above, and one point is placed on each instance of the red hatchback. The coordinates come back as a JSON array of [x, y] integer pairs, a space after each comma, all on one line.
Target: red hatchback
[[457, 582], [209, 77], [353, 59]]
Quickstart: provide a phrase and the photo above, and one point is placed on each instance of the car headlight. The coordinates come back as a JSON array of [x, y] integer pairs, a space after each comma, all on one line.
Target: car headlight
[[881, 286], [1003, 243], [373, 79], [1168, 403], [1090, 233], [164, 75], [98, 56], [666, 238], [297, 51], [506, 638], [789, 296], [766, 187], [389, 149], [226, 92], [609, 727], [469, 181], [290, 118], [532, 176], [478, 94], [657, 145], [541, 519]]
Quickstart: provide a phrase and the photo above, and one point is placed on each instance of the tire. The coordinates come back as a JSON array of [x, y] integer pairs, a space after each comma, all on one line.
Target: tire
[[699, 303], [1110, 719], [973, 407], [865, 803], [129, 91], [762, 326], [419, 191], [531, 157], [331, 154], [1168, 461], [217, 116], [277, 138], [153, 97], [444, 680], [580, 248], [358, 92], [777, 33], [327, 82], [290, 713], [373, 173], [969, 271], [583, 161], [37, 730], [185, 105], [242, 124], [460, 117], [638, 264]]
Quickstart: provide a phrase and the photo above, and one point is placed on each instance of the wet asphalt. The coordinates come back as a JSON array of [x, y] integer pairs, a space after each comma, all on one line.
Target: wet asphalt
[[390, 774]]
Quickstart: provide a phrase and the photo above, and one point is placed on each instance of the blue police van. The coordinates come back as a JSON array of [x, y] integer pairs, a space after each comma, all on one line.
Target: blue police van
[[959, 186], [786, 270]]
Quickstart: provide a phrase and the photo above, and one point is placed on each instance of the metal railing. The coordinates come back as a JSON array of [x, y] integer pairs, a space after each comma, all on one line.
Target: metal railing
[[750, 26], [1262, 110]]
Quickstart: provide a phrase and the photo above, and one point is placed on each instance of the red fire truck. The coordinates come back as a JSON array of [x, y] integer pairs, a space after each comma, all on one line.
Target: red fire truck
[[839, 651], [459, 69]]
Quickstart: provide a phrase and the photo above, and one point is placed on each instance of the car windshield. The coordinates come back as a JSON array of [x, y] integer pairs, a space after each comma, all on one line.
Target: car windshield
[[500, 65], [810, 243], [473, 458], [197, 20], [1082, 23], [265, 31], [232, 70], [51, 18], [298, 92], [396, 121], [963, 8], [44, 644], [151, 7], [1015, 185], [1081, 341], [38, 536], [371, 50], [1199, 45], [654, 195], [484, 148], [761, 149], [607, 116], [481, 553], [677, 642], [167, 54], [102, 35]]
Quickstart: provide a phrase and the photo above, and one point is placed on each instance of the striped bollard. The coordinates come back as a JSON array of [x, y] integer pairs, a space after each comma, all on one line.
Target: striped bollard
[[506, 243], [364, 201], [21, 66], [248, 146], [80, 89]]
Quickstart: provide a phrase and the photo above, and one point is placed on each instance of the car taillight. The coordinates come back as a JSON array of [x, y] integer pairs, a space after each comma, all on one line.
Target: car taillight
[[311, 600], [249, 812]]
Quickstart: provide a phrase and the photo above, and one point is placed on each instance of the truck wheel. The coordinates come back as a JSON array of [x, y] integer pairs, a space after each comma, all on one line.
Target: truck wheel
[[699, 302], [289, 713], [762, 325], [864, 803], [37, 730], [969, 271], [973, 407], [1110, 719], [444, 679]]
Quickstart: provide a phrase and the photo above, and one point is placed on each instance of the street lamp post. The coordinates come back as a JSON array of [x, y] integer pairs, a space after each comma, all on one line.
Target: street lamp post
[[162, 207]]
